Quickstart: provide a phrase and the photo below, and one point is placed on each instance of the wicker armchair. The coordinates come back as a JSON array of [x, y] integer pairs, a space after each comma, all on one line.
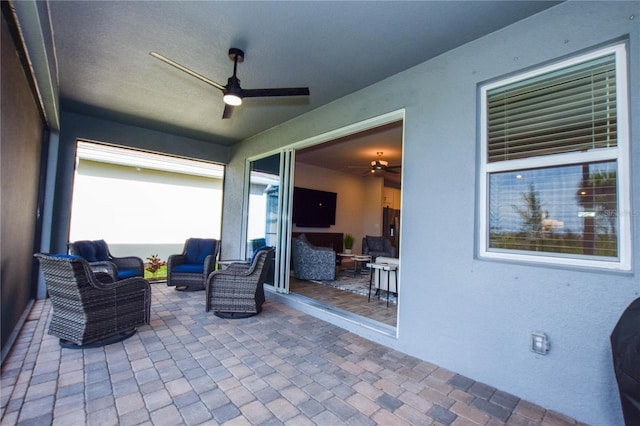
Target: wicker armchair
[[189, 270], [96, 252], [90, 309], [311, 262], [237, 291]]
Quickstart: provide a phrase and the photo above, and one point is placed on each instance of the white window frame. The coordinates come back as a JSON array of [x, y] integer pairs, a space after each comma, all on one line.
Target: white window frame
[[619, 154]]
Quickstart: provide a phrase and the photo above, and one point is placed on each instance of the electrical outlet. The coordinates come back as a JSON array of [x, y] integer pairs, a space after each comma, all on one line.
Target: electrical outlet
[[539, 343]]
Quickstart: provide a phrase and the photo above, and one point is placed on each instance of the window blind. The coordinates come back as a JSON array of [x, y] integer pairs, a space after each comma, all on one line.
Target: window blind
[[570, 110]]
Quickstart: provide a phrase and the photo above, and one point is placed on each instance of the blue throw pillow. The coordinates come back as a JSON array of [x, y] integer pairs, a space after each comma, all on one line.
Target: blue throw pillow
[[255, 253], [101, 250], [86, 250]]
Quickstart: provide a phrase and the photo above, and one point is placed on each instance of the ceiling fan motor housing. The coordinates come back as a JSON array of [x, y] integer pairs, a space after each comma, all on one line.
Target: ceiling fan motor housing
[[236, 54]]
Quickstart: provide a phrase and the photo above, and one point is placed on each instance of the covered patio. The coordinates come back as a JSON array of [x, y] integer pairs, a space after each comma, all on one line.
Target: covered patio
[[280, 367]]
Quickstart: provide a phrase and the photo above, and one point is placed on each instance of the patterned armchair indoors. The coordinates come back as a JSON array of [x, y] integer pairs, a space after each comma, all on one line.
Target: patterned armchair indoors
[[377, 246], [96, 252], [190, 269], [89, 309], [311, 262]]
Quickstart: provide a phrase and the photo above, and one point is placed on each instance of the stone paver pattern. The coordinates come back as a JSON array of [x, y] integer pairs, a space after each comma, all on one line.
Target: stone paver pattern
[[282, 367]]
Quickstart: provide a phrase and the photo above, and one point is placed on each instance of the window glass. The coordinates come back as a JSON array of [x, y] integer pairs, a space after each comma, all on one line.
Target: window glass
[[554, 173], [567, 209]]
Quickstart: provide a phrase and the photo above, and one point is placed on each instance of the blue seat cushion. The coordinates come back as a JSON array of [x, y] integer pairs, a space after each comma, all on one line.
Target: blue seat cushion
[[65, 256], [189, 268], [127, 273], [198, 249]]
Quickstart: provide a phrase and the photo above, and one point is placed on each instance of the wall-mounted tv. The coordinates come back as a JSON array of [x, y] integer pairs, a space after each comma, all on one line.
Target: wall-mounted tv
[[313, 208]]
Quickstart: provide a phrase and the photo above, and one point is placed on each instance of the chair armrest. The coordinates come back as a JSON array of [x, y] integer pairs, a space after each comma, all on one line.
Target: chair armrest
[[129, 262], [174, 260], [104, 267], [209, 264], [242, 269], [133, 284], [233, 261]]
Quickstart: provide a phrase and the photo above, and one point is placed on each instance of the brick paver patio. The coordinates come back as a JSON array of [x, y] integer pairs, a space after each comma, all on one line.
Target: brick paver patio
[[280, 367]]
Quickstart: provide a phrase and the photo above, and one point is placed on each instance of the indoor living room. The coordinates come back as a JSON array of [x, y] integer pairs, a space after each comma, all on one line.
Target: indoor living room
[[363, 174]]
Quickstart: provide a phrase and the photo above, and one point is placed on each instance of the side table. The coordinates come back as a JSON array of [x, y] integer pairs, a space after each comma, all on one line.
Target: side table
[[382, 267], [361, 258]]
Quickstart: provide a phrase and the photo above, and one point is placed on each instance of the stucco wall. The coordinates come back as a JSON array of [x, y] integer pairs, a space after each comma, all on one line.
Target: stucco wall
[[470, 315]]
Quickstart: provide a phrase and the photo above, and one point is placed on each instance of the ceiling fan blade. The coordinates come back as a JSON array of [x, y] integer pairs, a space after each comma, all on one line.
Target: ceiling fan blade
[[187, 70], [284, 91], [394, 167], [391, 171], [228, 110]]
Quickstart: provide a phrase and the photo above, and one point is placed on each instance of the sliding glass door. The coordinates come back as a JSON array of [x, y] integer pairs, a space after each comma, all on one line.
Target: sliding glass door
[[268, 213]]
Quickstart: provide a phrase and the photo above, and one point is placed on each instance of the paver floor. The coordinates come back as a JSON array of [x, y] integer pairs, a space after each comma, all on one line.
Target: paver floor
[[282, 367]]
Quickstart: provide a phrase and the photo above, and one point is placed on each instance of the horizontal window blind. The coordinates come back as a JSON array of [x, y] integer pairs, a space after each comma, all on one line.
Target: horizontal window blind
[[570, 110]]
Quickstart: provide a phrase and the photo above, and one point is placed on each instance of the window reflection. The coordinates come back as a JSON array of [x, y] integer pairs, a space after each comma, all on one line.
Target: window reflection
[[264, 192], [568, 209]]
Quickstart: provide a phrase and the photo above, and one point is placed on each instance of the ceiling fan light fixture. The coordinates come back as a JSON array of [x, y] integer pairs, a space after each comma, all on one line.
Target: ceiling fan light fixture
[[232, 99], [379, 164]]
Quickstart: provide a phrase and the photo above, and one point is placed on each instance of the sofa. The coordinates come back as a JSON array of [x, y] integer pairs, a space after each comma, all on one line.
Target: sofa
[[311, 262]]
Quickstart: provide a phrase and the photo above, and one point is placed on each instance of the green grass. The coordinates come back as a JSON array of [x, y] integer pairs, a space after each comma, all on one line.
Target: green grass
[[161, 274]]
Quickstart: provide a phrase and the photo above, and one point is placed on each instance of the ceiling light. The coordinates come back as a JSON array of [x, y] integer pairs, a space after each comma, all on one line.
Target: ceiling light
[[379, 164], [232, 99]]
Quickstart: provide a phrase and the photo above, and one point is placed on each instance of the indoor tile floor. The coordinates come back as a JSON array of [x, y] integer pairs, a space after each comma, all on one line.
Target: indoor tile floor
[[375, 309], [281, 367]]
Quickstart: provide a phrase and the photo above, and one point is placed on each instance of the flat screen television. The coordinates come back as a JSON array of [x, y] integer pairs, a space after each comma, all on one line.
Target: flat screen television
[[313, 208]]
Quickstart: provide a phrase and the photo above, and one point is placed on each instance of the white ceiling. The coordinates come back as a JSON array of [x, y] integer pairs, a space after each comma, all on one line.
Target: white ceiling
[[353, 154], [103, 68]]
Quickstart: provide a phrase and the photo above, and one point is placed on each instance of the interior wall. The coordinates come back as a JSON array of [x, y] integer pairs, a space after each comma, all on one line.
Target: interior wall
[[20, 153], [463, 313], [357, 212]]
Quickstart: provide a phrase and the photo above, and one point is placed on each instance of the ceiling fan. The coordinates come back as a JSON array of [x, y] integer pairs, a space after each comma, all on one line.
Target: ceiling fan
[[379, 166], [232, 92]]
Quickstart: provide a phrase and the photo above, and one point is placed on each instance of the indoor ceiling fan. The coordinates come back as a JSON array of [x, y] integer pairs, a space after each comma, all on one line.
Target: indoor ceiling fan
[[232, 92], [379, 166]]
